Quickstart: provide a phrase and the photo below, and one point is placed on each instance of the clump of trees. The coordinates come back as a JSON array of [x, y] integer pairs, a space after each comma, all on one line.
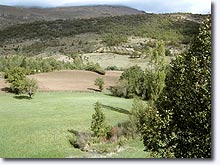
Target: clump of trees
[[176, 122], [19, 83], [100, 83], [39, 64], [144, 84]]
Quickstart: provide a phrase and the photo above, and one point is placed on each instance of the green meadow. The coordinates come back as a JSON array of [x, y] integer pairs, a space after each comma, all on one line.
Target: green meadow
[[38, 128]]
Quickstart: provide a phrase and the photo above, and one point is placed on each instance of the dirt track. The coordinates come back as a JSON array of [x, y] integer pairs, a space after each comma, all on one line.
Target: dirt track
[[74, 80]]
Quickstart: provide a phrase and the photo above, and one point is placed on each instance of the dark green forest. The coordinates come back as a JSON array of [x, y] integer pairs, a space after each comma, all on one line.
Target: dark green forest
[[156, 26]]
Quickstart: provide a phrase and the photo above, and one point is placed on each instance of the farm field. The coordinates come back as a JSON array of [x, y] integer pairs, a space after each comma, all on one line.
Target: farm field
[[74, 80], [38, 128]]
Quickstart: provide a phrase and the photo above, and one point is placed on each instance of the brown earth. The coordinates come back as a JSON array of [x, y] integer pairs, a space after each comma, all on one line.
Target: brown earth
[[74, 80], [3, 85]]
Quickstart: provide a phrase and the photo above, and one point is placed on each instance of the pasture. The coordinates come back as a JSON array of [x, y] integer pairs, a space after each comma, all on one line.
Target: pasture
[[38, 128]]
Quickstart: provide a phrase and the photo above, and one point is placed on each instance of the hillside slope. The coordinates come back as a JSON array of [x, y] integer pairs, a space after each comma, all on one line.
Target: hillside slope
[[12, 15]]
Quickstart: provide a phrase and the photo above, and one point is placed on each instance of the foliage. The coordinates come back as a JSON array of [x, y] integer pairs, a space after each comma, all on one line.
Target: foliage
[[16, 77], [158, 26], [134, 76], [31, 87], [19, 83], [136, 117], [147, 85], [39, 64], [100, 83], [121, 89], [155, 75], [114, 40], [184, 129], [98, 124], [90, 66], [113, 68]]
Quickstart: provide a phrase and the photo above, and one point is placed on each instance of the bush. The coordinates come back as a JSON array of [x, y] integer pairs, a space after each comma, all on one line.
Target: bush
[[121, 89], [98, 124], [112, 68], [80, 140], [134, 76], [31, 87], [16, 77], [90, 66], [100, 83]]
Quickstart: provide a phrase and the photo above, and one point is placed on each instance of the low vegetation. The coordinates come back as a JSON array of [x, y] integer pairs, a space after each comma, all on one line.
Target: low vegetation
[[48, 64], [33, 123], [100, 83], [19, 83]]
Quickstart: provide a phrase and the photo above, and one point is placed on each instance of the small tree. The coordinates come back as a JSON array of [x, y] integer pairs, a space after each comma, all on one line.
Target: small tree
[[16, 77], [31, 87], [100, 83], [98, 125], [156, 74]]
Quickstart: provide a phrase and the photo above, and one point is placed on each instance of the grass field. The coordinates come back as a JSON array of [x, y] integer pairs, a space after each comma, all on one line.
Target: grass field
[[37, 128]]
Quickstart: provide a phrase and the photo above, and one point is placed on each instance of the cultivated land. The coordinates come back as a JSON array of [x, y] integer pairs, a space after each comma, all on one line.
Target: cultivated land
[[37, 128], [74, 80], [70, 80]]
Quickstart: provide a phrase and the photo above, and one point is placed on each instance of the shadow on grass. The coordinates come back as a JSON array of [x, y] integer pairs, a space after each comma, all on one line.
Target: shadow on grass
[[22, 97], [117, 109]]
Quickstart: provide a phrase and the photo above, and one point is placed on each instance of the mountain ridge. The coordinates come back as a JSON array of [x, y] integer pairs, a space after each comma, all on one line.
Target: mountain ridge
[[10, 15]]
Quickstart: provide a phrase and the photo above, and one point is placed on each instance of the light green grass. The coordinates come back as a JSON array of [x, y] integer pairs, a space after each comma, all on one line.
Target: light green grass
[[37, 128]]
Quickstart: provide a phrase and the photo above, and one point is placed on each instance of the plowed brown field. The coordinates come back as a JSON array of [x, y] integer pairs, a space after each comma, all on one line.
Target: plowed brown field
[[73, 80]]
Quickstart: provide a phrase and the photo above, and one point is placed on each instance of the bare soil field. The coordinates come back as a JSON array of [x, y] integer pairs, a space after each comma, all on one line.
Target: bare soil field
[[74, 80]]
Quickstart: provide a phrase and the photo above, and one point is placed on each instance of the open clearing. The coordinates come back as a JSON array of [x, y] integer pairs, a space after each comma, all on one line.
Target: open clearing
[[37, 128]]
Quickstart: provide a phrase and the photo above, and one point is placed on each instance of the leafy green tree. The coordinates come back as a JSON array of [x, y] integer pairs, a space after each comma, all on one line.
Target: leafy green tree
[[184, 106], [100, 83], [98, 124], [134, 76], [155, 75], [31, 87], [16, 77]]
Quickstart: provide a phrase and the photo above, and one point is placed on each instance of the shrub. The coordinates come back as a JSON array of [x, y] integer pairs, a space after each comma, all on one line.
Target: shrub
[[121, 89], [31, 87], [16, 77], [90, 66], [134, 76], [100, 83], [112, 68], [98, 124]]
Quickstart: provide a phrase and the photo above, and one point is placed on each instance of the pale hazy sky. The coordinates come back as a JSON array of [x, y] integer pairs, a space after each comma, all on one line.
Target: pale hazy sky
[[155, 6]]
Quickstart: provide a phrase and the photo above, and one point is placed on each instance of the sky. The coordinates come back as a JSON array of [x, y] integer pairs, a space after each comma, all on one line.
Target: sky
[[152, 6]]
